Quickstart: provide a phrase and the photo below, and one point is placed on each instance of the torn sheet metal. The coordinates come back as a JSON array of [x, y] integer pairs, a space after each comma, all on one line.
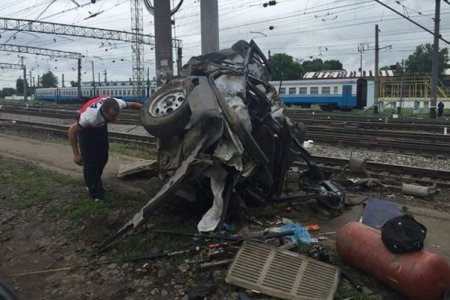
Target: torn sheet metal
[[170, 187], [147, 166], [211, 218]]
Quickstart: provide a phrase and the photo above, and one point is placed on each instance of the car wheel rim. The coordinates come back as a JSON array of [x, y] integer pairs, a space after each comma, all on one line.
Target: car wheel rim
[[167, 103]]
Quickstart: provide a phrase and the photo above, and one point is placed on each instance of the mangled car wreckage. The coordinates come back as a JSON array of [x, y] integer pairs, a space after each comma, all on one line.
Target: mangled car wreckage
[[223, 137]]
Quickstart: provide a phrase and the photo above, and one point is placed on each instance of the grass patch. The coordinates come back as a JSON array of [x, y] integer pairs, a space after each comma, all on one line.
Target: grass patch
[[84, 206], [129, 149], [134, 150], [142, 242], [26, 184]]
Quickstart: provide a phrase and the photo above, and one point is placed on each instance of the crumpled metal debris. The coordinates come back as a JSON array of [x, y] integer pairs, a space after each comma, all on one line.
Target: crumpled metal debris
[[221, 127]]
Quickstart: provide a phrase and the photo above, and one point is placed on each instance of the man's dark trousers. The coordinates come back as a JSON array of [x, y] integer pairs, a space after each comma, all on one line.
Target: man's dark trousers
[[94, 147]]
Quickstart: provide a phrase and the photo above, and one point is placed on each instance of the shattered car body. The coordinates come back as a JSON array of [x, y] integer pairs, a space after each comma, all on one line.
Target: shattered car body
[[223, 136]]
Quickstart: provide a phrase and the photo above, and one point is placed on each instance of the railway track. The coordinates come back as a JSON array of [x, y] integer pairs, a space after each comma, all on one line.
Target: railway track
[[420, 138], [378, 170]]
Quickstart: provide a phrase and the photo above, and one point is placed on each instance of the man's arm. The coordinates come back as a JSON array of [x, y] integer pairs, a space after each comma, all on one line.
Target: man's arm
[[73, 139], [134, 105]]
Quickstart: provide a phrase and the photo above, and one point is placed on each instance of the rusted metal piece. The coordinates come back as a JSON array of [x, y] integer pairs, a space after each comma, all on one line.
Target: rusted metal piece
[[418, 190]]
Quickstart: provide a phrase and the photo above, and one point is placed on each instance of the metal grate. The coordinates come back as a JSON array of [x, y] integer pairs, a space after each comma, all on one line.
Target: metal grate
[[283, 274]]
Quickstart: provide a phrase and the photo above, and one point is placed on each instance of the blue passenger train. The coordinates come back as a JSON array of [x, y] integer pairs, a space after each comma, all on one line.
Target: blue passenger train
[[329, 94], [70, 94]]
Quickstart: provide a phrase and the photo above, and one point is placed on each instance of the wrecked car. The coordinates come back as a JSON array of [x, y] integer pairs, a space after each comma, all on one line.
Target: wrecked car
[[223, 138]]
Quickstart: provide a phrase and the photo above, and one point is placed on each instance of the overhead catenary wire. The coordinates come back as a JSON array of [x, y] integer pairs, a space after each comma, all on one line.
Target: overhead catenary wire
[[237, 19], [412, 21]]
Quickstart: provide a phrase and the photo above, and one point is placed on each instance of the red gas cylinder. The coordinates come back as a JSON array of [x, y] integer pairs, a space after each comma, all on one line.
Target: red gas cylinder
[[418, 275]]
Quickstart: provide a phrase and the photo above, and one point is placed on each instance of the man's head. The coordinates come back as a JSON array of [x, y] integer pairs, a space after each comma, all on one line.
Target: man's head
[[110, 109]]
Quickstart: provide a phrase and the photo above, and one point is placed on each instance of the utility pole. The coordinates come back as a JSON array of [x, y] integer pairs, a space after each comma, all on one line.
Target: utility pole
[[80, 96], [93, 79], [25, 92], [31, 82], [361, 48], [62, 80], [209, 19], [376, 84], [137, 47], [179, 59], [399, 109], [148, 82], [435, 61], [163, 42]]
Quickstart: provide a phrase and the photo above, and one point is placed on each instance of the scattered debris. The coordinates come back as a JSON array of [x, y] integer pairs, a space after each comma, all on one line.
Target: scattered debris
[[281, 273], [223, 137]]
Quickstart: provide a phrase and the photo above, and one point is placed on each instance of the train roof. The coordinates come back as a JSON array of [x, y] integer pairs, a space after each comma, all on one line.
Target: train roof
[[345, 74], [316, 81]]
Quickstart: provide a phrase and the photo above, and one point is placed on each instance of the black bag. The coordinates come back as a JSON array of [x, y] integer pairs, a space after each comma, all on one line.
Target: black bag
[[403, 234]]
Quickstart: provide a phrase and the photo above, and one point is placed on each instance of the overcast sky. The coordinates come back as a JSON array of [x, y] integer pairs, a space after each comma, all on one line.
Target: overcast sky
[[304, 29]]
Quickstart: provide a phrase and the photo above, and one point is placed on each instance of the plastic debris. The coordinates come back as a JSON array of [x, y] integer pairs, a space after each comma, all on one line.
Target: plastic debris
[[301, 235]]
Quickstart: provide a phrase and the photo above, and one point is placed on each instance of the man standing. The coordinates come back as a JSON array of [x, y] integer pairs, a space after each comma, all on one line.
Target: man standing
[[89, 139]]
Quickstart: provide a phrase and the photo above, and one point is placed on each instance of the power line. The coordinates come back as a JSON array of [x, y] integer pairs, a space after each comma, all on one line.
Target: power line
[[414, 22]]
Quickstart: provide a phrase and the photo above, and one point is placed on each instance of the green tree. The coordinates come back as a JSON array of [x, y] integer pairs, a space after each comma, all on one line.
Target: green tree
[[49, 80], [314, 65], [285, 67], [317, 65], [7, 92], [420, 62], [19, 87], [333, 65], [73, 83]]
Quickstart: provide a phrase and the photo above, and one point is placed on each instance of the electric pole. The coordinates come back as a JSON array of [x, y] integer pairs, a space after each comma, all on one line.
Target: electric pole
[[25, 92], [435, 61], [376, 84], [93, 79], [361, 48], [163, 42], [137, 47], [209, 19], [80, 96]]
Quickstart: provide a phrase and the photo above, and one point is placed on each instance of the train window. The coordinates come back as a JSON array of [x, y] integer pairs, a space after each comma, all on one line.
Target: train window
[[426, 104], [303, 90], [282, 91], [335, 90], [314, 90], [326, 90], [292, 91]]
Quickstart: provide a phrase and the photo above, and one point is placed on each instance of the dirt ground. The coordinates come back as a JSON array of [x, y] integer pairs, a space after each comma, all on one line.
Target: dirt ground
[[46, 239]]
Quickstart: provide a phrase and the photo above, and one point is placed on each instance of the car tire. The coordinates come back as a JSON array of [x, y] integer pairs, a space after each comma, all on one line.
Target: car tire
[[167, 111]]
